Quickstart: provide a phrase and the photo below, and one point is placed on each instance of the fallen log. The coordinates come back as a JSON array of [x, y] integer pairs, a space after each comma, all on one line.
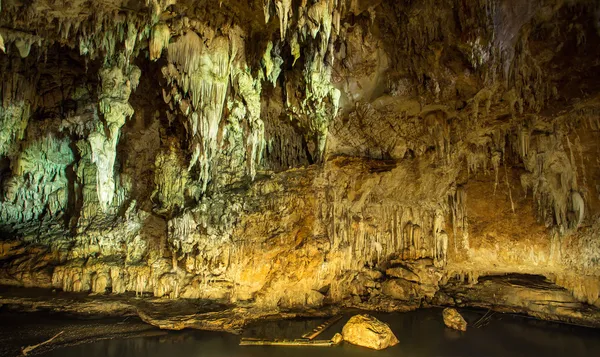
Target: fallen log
[[26, 350], [284, 342]]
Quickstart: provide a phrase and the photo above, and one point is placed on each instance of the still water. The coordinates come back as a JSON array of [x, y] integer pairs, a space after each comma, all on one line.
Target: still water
[[421, 334]]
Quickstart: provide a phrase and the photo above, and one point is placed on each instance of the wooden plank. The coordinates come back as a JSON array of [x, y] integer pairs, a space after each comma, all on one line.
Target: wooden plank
[[322, 327], [275, 342]]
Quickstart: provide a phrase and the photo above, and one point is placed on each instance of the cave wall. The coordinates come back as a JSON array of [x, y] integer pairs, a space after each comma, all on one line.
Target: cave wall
[[298, 153]]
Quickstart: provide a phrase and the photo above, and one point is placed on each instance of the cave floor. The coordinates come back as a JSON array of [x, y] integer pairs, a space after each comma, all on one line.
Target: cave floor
[[421, 334]]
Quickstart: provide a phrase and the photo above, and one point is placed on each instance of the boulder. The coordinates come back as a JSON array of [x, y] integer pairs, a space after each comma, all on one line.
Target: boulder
[[367, 331], [454, 320], [400, 289]]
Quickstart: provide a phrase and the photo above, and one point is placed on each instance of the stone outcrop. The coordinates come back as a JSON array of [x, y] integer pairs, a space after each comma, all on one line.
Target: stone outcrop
[[523, 294], [168, 314], [367, 331], [383, 155], [454, 320]]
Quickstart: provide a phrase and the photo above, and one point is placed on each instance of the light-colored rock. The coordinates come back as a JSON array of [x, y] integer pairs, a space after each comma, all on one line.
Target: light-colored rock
[[454, 320], [366, 331], [337, 338]]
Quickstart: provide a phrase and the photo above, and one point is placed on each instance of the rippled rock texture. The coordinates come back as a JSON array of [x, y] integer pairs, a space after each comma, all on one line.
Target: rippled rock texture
[[281, 154]]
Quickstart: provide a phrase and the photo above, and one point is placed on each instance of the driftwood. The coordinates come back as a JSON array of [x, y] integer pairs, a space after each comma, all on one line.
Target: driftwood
[[284, 342], [26, 350], [306, 340], [322, 327], [484, 320]]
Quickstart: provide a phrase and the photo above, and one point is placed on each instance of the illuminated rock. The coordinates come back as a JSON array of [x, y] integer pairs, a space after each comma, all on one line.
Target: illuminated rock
[[454, 320], [367, 331]]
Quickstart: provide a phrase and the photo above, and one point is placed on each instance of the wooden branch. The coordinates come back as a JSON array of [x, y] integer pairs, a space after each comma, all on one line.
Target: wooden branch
[[28, 349]]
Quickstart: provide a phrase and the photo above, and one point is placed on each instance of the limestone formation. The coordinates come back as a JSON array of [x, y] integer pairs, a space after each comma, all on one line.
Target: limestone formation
[[383, 155], [454, 320], [367, 331]]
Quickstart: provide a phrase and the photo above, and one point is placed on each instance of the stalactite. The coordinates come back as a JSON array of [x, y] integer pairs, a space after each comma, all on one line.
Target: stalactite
[[13, 121], [284, 11], [205, 74], [458, 209], [117, 83], [550, 173], [272, 64], [159, 40]]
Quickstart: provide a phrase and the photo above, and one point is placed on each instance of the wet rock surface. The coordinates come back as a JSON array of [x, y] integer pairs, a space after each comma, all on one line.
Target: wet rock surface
[[366, 331], [532, 295], [454, 319]]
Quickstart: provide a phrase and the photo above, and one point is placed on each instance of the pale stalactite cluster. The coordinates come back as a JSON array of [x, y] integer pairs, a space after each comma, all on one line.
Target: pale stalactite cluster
[[318, 27], [200, 71], [18, 99], [549, 158]]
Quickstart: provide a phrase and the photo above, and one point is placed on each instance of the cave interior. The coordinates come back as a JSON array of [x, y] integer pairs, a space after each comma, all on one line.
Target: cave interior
[[267, 156]]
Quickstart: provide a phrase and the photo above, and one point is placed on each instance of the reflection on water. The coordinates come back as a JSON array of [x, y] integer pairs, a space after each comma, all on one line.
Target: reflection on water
[[421, 334]]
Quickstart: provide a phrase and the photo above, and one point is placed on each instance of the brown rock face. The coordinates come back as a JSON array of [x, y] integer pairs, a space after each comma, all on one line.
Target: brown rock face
[[367, 331], [403, 273], [454, 320], [400, 289]]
